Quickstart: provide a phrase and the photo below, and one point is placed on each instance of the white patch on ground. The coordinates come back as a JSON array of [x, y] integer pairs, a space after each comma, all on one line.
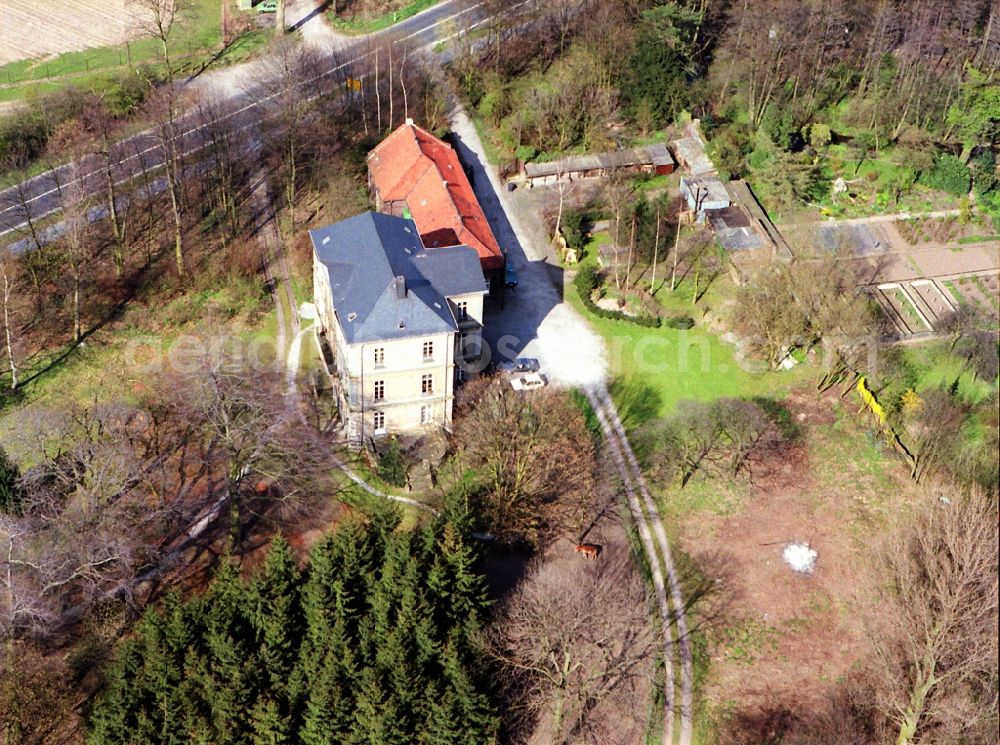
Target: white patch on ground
[[307, 311], [800, 557]]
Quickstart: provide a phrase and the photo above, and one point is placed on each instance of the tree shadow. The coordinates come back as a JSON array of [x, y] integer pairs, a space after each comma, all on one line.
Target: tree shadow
[[60, 359], [317, 11], [781, 416], [637, 403]]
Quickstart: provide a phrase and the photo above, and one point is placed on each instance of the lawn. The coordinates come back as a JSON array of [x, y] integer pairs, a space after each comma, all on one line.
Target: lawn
[[655, 368], [936, 367]]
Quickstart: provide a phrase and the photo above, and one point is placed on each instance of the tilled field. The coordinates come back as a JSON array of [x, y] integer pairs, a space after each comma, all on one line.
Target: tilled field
[[37, 28]]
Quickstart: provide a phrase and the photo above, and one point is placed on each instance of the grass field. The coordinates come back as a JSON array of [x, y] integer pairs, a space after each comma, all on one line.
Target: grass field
[[197, 42]]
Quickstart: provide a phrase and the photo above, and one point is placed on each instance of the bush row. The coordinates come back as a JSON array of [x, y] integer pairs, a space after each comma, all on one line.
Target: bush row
[[587, 280]]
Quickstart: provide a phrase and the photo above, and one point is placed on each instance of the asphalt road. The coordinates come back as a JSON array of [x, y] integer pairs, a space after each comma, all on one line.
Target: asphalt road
[[39, 197]]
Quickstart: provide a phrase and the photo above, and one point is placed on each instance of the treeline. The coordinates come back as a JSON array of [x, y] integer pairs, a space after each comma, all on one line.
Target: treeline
[[774, 84], [175, 207], [370, 643]]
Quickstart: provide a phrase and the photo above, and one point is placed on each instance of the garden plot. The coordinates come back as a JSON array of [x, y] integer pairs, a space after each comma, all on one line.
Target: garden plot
[[31, 28], [861, 239], [978, 291], [932, 301], [904, 312]]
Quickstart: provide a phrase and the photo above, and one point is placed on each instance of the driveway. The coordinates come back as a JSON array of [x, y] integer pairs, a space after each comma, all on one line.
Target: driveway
[[308, 17], [536, 321]]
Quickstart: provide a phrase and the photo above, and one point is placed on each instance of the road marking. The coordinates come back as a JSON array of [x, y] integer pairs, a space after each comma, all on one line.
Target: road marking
[[247, 107]]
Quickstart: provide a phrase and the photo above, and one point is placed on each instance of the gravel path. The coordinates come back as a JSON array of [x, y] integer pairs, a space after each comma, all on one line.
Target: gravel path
[[678, 667], [308, 17]]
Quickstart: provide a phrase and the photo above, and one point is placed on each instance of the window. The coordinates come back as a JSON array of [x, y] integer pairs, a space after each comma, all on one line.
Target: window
[[427, 384], [463, 310], [379, 390], [428, 351], [379, 356], [425, 414], [379, 418]]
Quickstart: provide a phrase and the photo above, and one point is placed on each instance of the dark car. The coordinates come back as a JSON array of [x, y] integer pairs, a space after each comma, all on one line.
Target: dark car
[[519, 366], [509, 275]]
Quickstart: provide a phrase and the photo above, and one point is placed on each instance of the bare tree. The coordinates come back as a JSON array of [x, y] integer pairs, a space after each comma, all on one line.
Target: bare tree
[[536, 456], [101, 127], [261, 448], [618, 192], [75, 240], [164, 107], [25, 212], [574, 643], [160, 19], [725, 436], [9, 275], [83, 530], [231, 160], [289, 89], [935, 632]]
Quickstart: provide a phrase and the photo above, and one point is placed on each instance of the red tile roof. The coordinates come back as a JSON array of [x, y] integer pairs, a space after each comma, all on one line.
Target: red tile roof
[[414, 166]]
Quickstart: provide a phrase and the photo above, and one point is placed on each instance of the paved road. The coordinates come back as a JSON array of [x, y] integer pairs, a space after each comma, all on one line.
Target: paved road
[[38, 197]]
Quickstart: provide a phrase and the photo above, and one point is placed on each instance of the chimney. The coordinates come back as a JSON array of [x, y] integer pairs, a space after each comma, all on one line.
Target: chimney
[[409, 121], [400, 283]]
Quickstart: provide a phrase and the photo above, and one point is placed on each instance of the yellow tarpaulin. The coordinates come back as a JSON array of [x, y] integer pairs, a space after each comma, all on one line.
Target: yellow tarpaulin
[[870, 401]]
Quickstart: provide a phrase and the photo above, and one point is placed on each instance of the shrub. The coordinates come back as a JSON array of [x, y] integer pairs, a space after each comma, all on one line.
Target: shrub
[[10, 496], [572, 229], [949, 174], [982, 166], [681, 322], [392, 465]]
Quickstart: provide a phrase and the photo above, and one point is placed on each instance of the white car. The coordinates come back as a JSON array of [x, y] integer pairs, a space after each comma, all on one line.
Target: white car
[[528, 382]]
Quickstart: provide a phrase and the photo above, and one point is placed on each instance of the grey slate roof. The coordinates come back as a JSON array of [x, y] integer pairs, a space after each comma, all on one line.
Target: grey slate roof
[[363, 255]]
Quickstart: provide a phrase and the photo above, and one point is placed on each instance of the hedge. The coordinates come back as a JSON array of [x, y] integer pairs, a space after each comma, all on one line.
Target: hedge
[[586, 281]]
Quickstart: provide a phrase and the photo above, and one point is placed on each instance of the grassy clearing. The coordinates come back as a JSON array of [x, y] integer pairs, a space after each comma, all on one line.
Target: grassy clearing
[[365, 23], [123, 359], [935, 367], [655, 368]]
